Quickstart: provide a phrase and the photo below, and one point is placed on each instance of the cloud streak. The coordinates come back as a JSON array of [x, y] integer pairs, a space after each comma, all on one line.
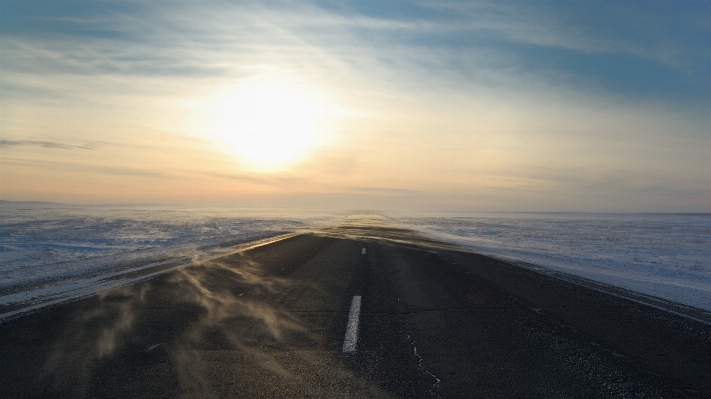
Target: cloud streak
[[46, 144]]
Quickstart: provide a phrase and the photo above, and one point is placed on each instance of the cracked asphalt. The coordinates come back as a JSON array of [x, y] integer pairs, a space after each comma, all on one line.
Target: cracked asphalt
[[435, 322]]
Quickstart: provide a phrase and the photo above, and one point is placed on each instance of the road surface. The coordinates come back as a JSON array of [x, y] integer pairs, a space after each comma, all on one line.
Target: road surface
[[431, 321]]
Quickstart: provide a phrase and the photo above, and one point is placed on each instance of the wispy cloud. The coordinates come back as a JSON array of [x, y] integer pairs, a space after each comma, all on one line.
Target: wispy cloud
[[615, 47], [47, 144], [382, 191]]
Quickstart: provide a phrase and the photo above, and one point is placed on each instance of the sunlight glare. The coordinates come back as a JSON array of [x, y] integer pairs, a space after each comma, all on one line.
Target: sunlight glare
[[268, 123]]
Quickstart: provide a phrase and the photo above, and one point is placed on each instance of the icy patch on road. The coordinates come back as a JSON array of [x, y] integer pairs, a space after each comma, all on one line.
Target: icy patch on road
[[663, 255]]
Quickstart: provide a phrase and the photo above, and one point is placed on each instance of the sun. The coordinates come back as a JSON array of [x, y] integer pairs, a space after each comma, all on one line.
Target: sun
[[267, 123]]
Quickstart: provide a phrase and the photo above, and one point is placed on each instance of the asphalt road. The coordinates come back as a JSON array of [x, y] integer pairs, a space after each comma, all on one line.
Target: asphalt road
[[434, 322]]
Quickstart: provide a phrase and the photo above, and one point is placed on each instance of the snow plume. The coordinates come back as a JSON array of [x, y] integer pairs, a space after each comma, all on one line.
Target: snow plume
[[237, 323], [215, 304], [96, 331], [374, 227]]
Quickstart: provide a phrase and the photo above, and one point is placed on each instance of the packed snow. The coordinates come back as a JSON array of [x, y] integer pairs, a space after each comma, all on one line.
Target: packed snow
[[49, 255]]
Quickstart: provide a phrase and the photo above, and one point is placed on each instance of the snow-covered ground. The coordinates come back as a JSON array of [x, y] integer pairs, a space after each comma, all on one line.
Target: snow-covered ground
[[663, 255], [50, 254]]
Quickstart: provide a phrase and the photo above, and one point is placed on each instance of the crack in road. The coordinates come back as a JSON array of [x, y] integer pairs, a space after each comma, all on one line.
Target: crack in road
[[437, 382]]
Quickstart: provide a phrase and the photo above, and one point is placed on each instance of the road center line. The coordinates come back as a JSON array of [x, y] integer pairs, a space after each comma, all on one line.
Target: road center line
[[362, 252], [351, 339]]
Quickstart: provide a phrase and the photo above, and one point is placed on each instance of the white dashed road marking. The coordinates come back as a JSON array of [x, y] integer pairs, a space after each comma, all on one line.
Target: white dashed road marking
[[351, 339]]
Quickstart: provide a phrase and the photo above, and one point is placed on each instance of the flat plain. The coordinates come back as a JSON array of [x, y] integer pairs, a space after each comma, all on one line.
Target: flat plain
[[435, 321]]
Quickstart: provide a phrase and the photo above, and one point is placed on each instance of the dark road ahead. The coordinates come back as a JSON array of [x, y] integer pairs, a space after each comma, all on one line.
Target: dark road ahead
[[434, 322]]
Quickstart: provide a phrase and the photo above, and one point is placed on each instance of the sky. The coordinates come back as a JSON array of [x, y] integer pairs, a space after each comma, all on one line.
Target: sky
[[548, 106]]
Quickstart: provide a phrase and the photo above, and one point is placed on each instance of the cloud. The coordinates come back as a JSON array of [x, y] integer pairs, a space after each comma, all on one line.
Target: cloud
[[479, 43], [382, 191], [47, 144], [265, 179]]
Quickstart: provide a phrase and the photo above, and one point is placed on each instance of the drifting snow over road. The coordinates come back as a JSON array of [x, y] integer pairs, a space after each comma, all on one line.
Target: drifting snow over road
[[51, 254]]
